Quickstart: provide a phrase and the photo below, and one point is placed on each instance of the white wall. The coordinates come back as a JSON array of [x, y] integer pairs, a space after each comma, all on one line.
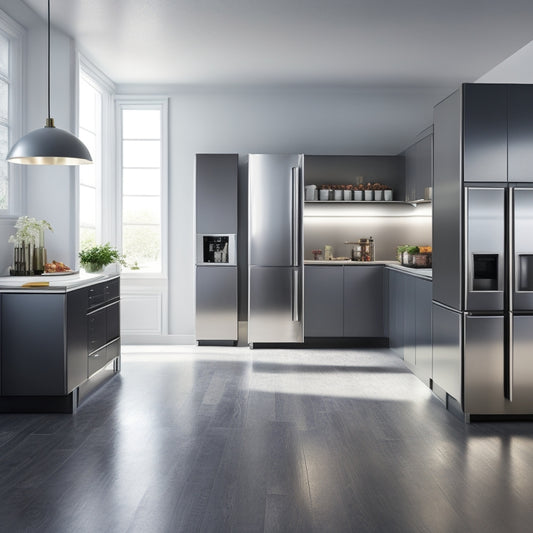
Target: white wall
[[248, 120], [48, 190]]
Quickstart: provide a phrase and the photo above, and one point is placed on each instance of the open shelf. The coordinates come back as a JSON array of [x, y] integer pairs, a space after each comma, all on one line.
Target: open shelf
[[369, 202]]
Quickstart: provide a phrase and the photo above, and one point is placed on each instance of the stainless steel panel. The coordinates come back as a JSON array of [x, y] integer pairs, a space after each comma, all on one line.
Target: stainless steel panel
[[271, 222], [447, 203], [520, 133], [271, 313], [485, 132], [485, 248], [216, 193], [522, 363], [522, 248], [484, 365], [447, 350], [216, 303]]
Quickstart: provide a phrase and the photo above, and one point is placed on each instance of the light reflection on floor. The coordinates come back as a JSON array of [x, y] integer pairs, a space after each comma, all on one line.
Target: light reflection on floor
[[371, 374]]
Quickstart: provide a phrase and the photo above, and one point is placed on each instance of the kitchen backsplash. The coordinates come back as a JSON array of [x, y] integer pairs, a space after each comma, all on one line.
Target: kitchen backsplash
[[388, 232]]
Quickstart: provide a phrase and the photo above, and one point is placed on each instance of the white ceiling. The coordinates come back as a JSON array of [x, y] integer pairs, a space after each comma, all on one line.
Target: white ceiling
[[364, 43]]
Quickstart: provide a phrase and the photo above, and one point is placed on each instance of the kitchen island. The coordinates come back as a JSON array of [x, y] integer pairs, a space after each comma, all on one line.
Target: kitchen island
[[57, 340]]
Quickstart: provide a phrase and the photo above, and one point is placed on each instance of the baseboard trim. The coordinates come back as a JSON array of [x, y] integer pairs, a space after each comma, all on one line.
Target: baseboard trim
[[158, 339]]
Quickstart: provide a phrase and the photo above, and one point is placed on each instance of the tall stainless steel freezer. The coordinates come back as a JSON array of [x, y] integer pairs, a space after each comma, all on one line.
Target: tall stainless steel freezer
[[275, 258], [483, 252], [216, 248]]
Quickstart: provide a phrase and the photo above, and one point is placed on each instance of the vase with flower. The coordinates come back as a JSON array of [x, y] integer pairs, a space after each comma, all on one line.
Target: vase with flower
[[29, 252]]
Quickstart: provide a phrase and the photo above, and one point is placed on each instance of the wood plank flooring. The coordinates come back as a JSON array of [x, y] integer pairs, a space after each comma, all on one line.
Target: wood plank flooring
[[214, 439]]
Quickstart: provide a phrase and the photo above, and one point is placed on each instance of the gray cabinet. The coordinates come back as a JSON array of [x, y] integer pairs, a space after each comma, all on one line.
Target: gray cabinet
[[409, 324], [484, 132], [396, 289], [216, 193], [363, 301], [418, 168], [323, 301], [410, 321], [424, 354], [343, 301], [34, 357], [497, 132], [520, 133]]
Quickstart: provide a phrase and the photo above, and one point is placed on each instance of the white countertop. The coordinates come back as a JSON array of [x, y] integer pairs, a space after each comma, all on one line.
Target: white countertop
[[63, 282], [349, 263], [419, 272]]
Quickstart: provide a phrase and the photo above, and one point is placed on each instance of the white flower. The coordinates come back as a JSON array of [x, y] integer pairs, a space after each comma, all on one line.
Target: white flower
[[29, 230]]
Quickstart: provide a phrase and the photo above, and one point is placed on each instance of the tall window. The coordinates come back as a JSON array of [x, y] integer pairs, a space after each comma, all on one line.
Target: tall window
[[90, 132], [4, 121], [142, 180], [11, 36]]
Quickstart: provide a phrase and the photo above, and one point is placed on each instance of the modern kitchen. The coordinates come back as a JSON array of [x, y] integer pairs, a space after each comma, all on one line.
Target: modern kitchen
[[334, 330]]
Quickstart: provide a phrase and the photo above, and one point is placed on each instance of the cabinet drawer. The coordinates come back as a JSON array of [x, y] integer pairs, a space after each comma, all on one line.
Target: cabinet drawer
[[112, 322], [113, 350], [95, 295], [96, 330], [112, 290], [96, 361]]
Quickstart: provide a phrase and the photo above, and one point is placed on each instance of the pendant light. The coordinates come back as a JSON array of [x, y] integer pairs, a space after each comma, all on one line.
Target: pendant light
[[49, 145]]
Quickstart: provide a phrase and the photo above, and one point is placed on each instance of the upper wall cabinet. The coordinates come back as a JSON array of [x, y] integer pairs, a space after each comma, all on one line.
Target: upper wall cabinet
[[216, 193], [520, 135], [484, 132], [497, 133], [418, 169]]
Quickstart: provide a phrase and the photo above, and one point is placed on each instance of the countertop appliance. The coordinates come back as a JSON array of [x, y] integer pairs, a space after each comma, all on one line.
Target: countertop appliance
[[275, 262], [216, 249], [482, 263], [362, 250]]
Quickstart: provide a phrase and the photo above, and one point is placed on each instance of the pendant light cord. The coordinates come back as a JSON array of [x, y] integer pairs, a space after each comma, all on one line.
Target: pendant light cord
[[48, 60]]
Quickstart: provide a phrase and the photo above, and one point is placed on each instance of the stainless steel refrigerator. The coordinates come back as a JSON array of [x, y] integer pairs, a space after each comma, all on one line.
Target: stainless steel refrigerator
[[493, 323], [275, 259]]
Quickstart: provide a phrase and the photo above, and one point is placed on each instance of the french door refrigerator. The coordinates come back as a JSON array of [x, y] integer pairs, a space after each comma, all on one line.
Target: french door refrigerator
[[275, 259], [497, 309]]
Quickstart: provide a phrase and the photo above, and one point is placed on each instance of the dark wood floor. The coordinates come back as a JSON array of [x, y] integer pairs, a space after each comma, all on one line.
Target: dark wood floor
[[228, 439]]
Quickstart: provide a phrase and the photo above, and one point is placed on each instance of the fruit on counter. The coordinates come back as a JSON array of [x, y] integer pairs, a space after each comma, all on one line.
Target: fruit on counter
[[425, 249], [56, 266]]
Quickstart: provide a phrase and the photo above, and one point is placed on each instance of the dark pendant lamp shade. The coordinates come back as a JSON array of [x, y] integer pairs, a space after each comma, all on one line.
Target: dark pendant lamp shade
[[49, 145]]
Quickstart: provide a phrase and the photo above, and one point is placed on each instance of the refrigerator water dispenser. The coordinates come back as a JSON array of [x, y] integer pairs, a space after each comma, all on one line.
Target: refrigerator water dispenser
[[485, 275]]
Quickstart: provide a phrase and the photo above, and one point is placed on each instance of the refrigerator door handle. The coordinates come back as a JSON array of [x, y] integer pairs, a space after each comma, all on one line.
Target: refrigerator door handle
[[508, 392], [295, 300], [295, 221], [511, 258]]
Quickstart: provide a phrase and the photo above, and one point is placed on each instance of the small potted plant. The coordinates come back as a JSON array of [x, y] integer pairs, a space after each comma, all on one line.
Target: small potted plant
[[94, 259], [369, 192]]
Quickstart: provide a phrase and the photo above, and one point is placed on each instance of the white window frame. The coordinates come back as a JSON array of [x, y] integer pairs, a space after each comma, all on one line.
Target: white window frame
[[145, 102], [105, 223], [17, 48]]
